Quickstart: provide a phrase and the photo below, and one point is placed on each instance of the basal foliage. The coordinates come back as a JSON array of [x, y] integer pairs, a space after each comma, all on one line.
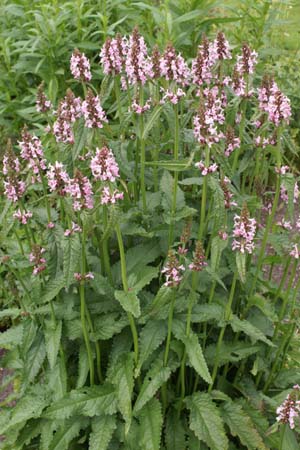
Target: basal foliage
[[139, 237]]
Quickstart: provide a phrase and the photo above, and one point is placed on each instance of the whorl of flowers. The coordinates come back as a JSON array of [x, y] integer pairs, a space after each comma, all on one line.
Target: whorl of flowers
[[171, 96], [58, 178], [14, 188], [22, 217], [295, 252], [37, 259], [140, 109], [42, 103], [92, 111], [104, 166], [219, 49], [75, 229], [112, 55], [244, 232], [274, 102], [231, 142], [80, 66], [109, 196], [172, 270], [205, 170], [138, 66], [225, 183], [247, 61], [80, 189], [79, 277], [173, 66], [69, 110], [155, 58], [198, 262], [201, 65], [31, 151], [185, 236], [289, 410]]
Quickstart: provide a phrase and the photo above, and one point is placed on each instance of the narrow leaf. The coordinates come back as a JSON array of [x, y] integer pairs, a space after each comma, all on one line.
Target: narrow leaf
[[150, 418]]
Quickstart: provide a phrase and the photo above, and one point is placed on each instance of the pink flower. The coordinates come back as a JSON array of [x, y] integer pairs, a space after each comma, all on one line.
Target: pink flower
[[80, 66], [244, 231], [206, 169], [37, 259], [171, 96], [139, 109], [42, 103], [92, 111], [172, 270], [219, 49], [247, 61], [79, 277], [198, 262], [58, 178], [174, 67], [13, 187], [69, 110], [282, 170], [295, 252], [112, 55], [75, 229], [138, 65], [202, 64], [225, 183], [109, 196], [50, 225], [31, 151], [289, 410], [232, 142], [274, 102], [104, 166], [22, 217], [80, 189]]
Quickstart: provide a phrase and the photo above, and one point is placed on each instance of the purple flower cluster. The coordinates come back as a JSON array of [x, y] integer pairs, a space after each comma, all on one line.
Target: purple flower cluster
[[198, 262], [58, 178], [244, 232], [231, 142], [80, 189], [110, 196], [225, 183], [104, 166], [79, 277], [112, 55], [205, 170], [37, 259], [69, 110], [22, 217], [75, 229], [14, 188], [80, 66], [273, 102], [173, 67], [92, 111], [138, 65], [172, 270], [289, 410], [31, 151], [42, 103]]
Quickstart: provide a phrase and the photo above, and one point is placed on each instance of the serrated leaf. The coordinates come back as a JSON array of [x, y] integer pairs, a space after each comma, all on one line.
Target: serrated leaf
[[129, 302], [194, 351], [83, 367], [12, 337], [166, 186], [123, 380], [66, 433], [53, 287], [217, 247], [71, 248], [52, 340], [102, 431], [108, 325], [137, 281], [156, 376], [265, 305], [88, 401], [174, 432], [35, 357], [151, 420], [249, 329], [206, 422], [162, 297], [207, 312], [242, 426], [151, 336], [231, 351]]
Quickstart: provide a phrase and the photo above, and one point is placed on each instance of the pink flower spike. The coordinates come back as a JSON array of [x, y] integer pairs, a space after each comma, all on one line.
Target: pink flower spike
[[80, 66]]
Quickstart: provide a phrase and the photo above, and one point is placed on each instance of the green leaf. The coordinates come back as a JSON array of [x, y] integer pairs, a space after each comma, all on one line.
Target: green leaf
[[194, 352], [10, 312], [166, 186], [108, 325], [66, 433], [162, 297], [137, 281], [83, 367], [174, 432], [124, 382], [231, 351], [218, 212], [174, 165], [217, 247], [129, 302], [71, 248], [240, 259], [12, 337], [151, 121], [249, 329], [154, 379], [206, 422], [242, 426], [207, 312], [53, 287], [151, 420], [265, 305], [35, 358], [52, 340], [151, 336], [88, 401], [102, 431]]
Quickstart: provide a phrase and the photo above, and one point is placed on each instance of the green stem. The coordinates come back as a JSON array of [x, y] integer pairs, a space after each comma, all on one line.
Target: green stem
[[83, 309], [105, 252], [241, 132], [221, 335], [170, 321], [125, 287], [143, 152], [175, 183], [203, 198], [282, 431], [19, 242], [118, 98]]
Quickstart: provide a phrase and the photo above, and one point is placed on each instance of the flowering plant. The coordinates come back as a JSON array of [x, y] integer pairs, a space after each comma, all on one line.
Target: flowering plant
[[140, 223]]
